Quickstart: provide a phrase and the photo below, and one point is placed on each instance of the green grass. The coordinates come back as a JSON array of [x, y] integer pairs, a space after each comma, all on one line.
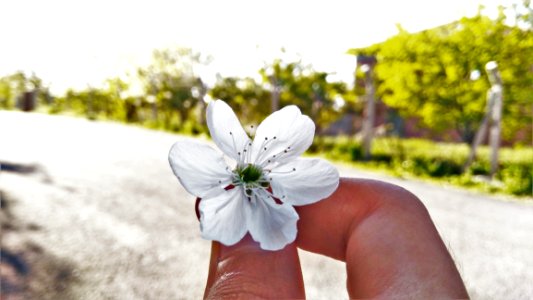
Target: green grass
[[442, 162]]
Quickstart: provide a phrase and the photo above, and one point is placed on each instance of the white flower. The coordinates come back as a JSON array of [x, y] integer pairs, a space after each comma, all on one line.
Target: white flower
[[265, 182]]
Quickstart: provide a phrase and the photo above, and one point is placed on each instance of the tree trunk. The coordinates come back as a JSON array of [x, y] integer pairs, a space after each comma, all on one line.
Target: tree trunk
[[276, 88], [370, 111]]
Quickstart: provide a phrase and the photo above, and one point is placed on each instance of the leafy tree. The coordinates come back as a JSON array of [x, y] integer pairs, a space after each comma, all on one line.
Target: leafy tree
[[249, 99], [6, 93], [169, 82], [13, 87], [438, 75], [302, 86], [114, 89]]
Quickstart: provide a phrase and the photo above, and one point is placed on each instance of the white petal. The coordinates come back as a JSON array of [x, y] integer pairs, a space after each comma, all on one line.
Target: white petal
[[284, 130], [226, 130], [311, 180], [282, 136], [223, 217], [272, 225], [199, 168]]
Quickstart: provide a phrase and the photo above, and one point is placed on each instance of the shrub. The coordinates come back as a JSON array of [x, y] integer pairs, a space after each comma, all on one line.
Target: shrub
[[424, 158]]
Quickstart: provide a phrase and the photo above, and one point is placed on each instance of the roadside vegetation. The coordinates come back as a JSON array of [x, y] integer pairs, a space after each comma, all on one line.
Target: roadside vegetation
[[432, 82], [443, 162]]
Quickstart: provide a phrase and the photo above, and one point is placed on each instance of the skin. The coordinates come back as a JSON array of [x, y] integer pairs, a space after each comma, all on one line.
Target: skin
[[383, 233]]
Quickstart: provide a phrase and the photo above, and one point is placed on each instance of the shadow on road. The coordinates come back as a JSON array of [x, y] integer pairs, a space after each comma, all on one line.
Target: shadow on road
[[26, 169], [27, 270], [18, 168]]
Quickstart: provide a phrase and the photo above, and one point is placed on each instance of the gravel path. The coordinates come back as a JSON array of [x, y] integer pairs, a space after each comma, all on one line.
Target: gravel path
[[100, 201]]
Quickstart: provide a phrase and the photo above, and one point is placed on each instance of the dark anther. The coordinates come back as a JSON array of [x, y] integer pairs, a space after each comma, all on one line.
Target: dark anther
[[265, 148], [220, 181], [294, 169], [265, 184], [238, 153], [268, 160], [266, 138], [285, 151], [230, 133], [274, 137]]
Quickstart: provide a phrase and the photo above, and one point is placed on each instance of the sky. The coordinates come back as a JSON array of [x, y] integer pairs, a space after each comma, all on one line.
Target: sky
[[74, 43]]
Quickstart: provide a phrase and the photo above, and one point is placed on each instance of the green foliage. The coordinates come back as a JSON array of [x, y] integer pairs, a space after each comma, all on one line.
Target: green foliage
[[295, 83], [423, 158], [249, 99], [169, 83], [429, 74], [13, 87], [6, 94], [308, 89], [171, 97]]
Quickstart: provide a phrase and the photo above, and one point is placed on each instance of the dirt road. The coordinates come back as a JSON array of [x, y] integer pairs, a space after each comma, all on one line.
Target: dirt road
[[91, 210]]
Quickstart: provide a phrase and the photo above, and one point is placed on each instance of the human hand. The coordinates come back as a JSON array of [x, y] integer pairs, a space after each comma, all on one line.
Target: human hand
[[383, 233]]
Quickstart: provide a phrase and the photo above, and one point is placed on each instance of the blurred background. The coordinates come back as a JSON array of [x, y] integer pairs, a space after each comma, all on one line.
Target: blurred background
[[436, 96]]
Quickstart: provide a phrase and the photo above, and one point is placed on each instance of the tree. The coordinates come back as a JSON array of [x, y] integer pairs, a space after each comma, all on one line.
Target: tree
[[301, 85], [13, 87], [169, 82], [114, 107], [6, 93], [437, 75], [249, 99]]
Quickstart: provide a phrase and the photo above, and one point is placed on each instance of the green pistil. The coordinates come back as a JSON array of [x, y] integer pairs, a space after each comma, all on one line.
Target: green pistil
[[249, 173]]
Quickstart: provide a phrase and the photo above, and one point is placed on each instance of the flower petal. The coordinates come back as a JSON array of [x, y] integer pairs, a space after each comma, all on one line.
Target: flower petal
[[223, 217], [304, 181], [199, 168], [272, 225], [282, 136], [226, 130]]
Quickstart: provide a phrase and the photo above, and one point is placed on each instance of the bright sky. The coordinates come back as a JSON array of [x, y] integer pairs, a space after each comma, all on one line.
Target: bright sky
[[74, 43]]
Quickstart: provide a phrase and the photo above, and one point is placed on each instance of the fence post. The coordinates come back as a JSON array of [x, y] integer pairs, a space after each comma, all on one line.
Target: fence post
[[367, 64], [496, 115], [482, 131], [28, 101], [202, 93], [276, 89]]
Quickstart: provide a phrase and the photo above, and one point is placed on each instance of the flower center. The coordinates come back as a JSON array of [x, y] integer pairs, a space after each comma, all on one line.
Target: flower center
[[250, 177], [249, 173]]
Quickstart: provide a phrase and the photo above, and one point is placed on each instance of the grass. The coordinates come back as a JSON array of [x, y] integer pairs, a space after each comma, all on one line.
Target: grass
[[442, 162]]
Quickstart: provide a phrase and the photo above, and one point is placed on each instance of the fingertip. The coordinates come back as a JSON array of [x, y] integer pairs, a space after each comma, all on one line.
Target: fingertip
[[247, 270]]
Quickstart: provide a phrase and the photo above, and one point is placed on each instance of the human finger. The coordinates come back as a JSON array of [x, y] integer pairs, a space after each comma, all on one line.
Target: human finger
[[244, 270], [387, 239]]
